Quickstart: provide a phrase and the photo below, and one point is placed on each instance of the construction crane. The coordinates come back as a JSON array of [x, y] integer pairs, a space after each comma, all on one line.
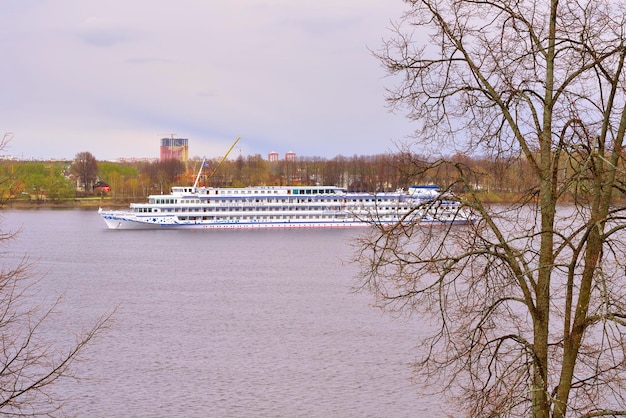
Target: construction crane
[[218, 164]]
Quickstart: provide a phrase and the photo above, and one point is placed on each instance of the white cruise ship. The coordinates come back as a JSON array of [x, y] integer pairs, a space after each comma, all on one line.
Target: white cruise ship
[[285, 207]]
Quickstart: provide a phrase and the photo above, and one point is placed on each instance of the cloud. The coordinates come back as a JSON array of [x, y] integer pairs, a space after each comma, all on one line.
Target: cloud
[[103, 33]]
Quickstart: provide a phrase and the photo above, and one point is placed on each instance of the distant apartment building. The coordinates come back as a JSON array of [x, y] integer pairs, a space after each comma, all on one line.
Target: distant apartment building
[[272, 157], [175, 149], [290, 156]]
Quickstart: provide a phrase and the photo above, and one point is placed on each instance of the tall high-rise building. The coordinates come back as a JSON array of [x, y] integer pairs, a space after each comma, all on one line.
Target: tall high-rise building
[[175, 149]]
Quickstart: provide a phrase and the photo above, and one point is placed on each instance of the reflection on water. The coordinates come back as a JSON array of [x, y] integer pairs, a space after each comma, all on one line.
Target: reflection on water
[[220, 323]]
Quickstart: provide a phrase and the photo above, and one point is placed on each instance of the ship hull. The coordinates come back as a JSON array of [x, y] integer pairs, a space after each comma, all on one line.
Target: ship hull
[[127, 221]]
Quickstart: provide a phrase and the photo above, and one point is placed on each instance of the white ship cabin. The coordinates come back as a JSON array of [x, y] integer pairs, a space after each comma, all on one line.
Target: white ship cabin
[[261, 198], [183, 191], [428, 192], [188, 195], [284, 198], [258, 190]]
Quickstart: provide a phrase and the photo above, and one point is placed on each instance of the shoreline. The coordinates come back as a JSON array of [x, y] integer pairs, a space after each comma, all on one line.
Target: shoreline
[[78, 203]]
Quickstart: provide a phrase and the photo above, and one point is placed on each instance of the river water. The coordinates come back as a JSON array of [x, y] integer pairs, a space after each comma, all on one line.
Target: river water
[[257, 323]]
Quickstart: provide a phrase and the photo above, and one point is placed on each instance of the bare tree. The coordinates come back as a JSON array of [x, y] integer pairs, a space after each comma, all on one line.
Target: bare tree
[[85, 167], [528, 305], [30, 362]]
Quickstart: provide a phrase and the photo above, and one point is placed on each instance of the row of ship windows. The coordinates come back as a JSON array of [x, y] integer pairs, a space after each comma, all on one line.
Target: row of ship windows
[[253, 218], [268, 200], [257, 191], [270, 191], [248, 209]]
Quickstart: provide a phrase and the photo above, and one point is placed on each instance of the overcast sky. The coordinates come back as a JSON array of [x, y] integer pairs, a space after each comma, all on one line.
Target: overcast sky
[[113, 77]]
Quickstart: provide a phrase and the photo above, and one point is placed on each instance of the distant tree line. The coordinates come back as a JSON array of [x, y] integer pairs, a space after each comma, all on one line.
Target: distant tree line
[[59, 180], [366, 173]]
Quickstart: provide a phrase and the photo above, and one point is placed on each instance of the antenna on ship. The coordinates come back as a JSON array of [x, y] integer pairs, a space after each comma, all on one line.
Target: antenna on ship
[[218, 164]]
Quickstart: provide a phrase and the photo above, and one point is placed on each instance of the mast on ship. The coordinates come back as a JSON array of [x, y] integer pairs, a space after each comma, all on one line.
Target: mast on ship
[[218, 164]]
